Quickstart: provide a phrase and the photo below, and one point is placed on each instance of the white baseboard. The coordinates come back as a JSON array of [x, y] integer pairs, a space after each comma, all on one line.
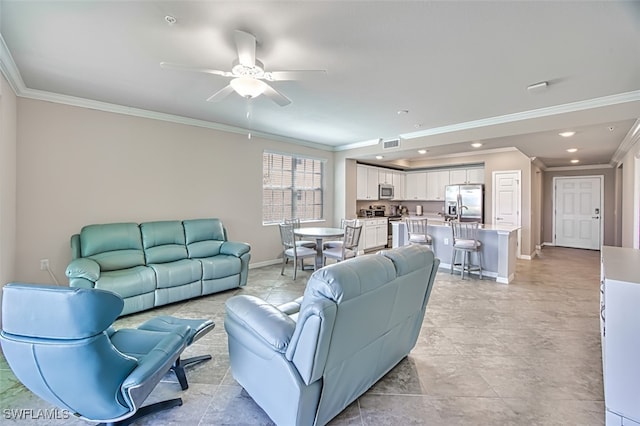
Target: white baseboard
[[265, 263]]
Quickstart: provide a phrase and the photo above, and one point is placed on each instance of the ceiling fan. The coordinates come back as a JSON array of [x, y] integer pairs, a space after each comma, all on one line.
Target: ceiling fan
[[247, 73]]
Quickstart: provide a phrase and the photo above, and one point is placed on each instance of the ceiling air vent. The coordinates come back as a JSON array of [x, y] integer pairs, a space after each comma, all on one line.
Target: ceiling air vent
[[394, 143]]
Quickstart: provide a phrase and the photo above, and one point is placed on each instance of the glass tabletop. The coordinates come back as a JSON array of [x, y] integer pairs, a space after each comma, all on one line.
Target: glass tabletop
[[319, 232]]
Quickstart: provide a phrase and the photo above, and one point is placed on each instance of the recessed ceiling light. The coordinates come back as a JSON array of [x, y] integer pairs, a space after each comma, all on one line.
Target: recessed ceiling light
[[572, 149], [403, 111], [170, 19], [567, 134], [422, 151], [379, 157], [575, 161], [476, 144]]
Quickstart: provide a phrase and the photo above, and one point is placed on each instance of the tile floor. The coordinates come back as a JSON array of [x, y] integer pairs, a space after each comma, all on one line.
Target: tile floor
[[527, 353]]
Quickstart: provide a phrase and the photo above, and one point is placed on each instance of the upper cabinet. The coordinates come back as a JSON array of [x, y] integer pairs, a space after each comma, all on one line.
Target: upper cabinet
[[470, 175], [416, 186], [427, 185], [398, 180], [437, 182], [366, 183]]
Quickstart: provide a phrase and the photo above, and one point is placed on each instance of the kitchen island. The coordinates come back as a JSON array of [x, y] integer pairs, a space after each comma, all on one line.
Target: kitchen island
[[499, 246]]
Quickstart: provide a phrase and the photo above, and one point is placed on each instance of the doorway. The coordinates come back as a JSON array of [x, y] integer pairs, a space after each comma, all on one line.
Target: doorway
[[506, 200], [578, 214]]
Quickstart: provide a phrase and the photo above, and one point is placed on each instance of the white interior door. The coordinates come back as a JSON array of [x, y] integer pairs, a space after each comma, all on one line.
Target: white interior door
[[578, 211], [506, 198], [506, 201]]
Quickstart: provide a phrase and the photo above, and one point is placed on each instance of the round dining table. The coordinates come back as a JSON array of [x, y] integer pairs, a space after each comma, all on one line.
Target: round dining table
[[319, 234]]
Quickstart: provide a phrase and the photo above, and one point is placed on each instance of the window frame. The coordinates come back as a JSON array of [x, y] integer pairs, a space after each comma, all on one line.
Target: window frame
[[294, 190]]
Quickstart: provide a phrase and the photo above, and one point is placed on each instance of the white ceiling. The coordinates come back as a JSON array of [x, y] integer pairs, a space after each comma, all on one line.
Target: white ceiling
[[460, 68]]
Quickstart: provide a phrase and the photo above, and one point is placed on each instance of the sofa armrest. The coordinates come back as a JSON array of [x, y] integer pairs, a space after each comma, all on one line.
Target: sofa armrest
[[261, 320], [84, 268], [234, 248]]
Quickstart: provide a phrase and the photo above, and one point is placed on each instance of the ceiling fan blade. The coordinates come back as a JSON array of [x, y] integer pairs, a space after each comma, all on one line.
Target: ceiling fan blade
[[168, 65], [221, 94], [291, 75], [276, 96], [246, 44]]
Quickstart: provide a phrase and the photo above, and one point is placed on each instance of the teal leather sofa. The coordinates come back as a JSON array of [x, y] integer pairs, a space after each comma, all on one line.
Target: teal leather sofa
[[305, 361], [156, 263]]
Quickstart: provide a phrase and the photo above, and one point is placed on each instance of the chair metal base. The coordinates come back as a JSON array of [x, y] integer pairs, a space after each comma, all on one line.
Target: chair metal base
[[179, 366], [145, 411]]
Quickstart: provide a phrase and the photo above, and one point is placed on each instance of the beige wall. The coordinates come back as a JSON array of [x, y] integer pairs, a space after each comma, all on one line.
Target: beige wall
[[78, 166], [8, 141], [609, 201]]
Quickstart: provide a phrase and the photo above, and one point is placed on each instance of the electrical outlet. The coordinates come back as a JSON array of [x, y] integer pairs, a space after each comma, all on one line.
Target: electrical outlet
[[44, 264], [446, 241]]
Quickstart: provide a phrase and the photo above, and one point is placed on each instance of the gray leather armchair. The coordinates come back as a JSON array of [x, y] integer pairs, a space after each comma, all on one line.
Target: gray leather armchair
[[60, 344], [305, 361]]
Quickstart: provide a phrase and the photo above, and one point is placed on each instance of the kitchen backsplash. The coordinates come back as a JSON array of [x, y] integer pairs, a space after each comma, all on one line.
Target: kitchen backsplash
[[428, 207]]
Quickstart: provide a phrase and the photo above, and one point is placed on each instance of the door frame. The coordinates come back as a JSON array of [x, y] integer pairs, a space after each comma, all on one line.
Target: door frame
[[518, 201], [553, 205]]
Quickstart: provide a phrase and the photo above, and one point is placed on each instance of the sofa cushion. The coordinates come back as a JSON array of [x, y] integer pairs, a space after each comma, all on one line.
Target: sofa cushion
[[114, 246], [220, 266], [204, 237], [185, 271], [163, 241], [128, 282]]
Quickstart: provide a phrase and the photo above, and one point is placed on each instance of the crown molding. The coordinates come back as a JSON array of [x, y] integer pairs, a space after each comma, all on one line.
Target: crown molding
[[632, 137], [569, 168]]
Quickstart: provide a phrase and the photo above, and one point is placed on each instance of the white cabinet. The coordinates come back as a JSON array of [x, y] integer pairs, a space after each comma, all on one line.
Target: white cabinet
[[398, 186], [437, 182], [385, 176], [470, 175], [416, 186], [366, 183], [620, 332], [475, 175], [374, 234]]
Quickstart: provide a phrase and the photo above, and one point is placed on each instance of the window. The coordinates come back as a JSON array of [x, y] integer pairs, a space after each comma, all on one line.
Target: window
[[292, 187]]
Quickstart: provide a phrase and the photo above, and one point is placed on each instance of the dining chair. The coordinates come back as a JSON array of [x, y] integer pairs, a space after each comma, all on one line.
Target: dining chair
[[338, 243], [465, 242], [417, 230], [348, 248], [292, 250], [305, 243]]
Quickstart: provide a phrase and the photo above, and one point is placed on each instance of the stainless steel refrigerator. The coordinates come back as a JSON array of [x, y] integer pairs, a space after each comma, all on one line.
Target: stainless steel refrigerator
[[465, 202]]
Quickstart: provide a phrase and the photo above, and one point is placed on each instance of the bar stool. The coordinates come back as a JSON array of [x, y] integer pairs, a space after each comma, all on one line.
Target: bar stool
[[465, 242], [417, 230]]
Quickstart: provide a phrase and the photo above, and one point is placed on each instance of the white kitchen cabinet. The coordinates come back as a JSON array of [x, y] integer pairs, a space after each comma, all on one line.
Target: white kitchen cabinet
[[385, 176], [374, 233], [620, 332], [398, 179], [475, 175], [366, 183], [469, 175], [437, 181], [416, 186]]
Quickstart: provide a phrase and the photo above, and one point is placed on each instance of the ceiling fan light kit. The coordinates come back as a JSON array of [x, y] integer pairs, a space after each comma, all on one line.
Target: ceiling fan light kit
[[248, 87], [248, 73]]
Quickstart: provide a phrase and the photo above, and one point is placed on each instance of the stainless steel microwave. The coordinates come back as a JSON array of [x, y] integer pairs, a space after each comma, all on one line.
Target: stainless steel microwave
[[385, 192]]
